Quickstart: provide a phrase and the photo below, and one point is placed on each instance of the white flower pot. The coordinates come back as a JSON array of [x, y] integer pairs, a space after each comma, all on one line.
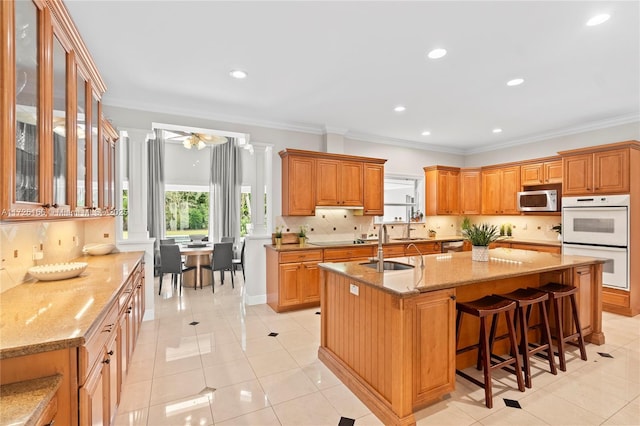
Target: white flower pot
[[480, 253]]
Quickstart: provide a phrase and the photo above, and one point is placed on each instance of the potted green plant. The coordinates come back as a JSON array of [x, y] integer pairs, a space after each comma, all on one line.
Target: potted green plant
[[480, 236], [278, 236], [432, 233], [302, 236], [466, 223]]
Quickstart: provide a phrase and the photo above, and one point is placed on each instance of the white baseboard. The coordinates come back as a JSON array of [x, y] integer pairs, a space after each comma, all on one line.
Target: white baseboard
[[260, 299]]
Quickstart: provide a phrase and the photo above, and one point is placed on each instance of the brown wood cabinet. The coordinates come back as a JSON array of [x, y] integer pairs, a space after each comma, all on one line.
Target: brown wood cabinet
[[601, 172], [499, 190], [293, 279], [610, 169], [541, 173], [470, 191], [104, 360], [442, 189], [396, 354], [298, 185], [51, 97], [373, 189], [537, 247], [339, 183], [311, 179]]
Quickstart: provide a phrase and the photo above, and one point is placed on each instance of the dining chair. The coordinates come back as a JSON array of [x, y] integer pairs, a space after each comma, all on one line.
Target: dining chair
[[171, 263], [228, 239], [239, 261], [222, 260], [167, 241]]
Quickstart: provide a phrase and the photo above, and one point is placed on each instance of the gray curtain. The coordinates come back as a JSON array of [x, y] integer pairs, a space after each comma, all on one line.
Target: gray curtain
[[226, 177], [155, 193]]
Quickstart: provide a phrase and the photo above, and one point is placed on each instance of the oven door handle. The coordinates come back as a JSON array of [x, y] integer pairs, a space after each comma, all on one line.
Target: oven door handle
[[595, 248]]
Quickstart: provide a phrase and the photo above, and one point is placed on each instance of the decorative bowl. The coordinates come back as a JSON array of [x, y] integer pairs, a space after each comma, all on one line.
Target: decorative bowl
[[57, 271], [98, 249]]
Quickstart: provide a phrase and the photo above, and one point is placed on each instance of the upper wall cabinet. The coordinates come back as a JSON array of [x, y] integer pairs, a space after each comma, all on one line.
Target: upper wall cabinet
[[499, 190], [373, 189], [47, 74], [541, 173], [339, 183], [470, 191], [311, 179], [442, 190], [598, 170]]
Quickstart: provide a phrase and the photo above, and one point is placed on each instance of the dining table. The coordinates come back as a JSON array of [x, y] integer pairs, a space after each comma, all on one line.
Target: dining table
[[196, 254]]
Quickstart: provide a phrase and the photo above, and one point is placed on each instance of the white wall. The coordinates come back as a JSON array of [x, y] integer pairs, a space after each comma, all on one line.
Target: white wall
[[186, 166], [401, 160], [550, 147]]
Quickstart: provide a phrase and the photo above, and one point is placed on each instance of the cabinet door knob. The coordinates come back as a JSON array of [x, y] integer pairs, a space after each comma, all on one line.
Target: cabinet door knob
[[453, 297], [110, 353], [107, 361]]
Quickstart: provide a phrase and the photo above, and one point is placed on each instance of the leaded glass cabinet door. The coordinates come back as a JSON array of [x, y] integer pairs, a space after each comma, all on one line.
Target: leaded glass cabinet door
[[27, 96], [60, 140], [83, 158]]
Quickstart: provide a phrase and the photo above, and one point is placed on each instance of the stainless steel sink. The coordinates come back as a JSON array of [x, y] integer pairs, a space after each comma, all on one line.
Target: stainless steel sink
[[388, 265]]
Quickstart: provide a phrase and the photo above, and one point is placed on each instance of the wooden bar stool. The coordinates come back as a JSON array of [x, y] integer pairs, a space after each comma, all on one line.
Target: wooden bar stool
[[483, 308], [556, 293], [527, 298]]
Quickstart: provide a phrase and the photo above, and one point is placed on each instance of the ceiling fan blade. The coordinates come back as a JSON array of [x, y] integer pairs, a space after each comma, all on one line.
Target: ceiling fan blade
[[211, 139]]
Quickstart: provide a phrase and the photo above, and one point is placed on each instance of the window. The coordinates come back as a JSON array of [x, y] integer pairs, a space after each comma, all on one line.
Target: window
[[402, 198], [245, 210], [186, 211]]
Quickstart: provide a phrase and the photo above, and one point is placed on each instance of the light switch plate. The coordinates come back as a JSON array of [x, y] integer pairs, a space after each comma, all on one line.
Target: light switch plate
[[354, 289]]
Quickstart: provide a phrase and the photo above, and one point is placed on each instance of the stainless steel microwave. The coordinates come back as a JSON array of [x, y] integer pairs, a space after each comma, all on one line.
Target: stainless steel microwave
[[538, 201]]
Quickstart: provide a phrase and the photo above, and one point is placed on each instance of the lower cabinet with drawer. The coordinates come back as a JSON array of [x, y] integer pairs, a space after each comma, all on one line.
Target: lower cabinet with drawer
[[105, 357], [293, 279]]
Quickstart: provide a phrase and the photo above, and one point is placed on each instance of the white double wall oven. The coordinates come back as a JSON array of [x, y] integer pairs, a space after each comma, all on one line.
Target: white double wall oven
[[598, 226]]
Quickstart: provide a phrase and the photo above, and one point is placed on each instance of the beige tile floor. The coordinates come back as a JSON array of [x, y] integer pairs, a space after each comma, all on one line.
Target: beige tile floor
[[226, 370]]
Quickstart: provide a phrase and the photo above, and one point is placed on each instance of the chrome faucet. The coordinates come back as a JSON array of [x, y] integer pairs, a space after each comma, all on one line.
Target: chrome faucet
[[419, 252], [382, 234]]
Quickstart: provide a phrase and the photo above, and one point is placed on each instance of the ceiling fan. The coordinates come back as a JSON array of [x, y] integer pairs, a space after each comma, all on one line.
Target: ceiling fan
[[193, 139]]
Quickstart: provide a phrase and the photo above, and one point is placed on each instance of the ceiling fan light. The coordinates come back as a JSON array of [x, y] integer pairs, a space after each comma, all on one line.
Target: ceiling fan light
[[187, 143], [201, 145]]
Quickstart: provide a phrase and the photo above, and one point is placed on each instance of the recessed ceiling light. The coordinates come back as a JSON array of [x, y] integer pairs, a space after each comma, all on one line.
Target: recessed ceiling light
[[598, 19], [399, 108], [437, 53], [239, 74], [426, 133], [497, 130], [515, 82]]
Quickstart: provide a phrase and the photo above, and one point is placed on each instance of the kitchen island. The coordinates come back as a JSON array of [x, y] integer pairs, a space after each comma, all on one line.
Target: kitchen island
[[390, 336]]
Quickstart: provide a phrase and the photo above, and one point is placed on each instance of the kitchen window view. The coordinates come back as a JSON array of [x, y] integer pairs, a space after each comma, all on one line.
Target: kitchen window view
[[186, 213]]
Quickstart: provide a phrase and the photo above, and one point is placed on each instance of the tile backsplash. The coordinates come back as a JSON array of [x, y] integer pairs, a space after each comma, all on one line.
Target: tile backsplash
[[59, 241], [344, 225]]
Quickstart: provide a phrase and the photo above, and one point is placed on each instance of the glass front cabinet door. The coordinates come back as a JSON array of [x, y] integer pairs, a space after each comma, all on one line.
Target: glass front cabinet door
[[48, 86]]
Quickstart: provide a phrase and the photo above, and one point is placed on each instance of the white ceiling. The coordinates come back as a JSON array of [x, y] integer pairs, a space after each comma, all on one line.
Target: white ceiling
[[342, 66]]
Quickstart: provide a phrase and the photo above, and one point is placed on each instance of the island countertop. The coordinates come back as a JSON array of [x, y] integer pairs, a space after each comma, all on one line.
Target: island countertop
[[39, 316], [449, 270]]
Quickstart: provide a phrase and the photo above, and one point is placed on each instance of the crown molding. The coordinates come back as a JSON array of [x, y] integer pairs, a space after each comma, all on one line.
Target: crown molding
[[233, 119], [596, 125], [322, 130]]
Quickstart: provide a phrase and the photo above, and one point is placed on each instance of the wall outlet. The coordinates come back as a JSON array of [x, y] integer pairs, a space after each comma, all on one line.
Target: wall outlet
[[37, 254], [354, 289]]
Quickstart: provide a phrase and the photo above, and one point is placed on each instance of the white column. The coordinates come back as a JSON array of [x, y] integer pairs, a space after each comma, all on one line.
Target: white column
[[256, 266], [138, 235]]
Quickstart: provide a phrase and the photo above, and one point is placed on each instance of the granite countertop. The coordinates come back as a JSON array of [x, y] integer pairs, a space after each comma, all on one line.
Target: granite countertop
[[22, 403], [315, 245], [450, 270], [39, 316]]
